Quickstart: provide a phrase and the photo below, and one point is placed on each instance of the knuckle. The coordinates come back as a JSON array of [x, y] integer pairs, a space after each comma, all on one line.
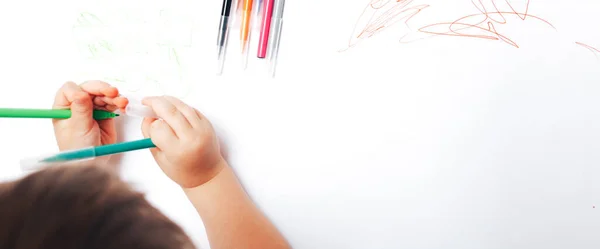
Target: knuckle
[[64, 87], [172, 110], [82, 96], [188, 110]]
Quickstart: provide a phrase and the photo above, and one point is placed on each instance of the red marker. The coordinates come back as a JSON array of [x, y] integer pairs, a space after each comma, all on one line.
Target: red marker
[[264, 29]]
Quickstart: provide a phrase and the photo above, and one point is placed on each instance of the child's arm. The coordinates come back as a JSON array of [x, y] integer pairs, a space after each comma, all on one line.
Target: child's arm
[[188, 152], [230, 217]]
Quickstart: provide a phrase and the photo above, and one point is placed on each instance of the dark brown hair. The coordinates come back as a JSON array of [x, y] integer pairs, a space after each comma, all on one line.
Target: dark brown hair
[[88, 207]]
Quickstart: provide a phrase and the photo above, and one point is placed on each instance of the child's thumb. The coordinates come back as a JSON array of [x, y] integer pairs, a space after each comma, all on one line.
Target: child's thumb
[[82, 107]]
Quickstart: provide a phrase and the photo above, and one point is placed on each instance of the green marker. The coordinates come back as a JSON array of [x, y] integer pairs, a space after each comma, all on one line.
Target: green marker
[[84, 154], [49, 113]]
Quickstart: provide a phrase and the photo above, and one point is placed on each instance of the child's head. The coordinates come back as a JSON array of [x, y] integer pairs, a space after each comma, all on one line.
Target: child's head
[[81, 207]]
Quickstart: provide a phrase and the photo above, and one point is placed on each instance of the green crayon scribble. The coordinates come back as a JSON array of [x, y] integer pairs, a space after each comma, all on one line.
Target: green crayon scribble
[[86, 18], [107, 48]]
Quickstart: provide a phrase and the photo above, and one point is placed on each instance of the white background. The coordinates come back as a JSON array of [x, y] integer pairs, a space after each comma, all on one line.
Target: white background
[[448, 142]]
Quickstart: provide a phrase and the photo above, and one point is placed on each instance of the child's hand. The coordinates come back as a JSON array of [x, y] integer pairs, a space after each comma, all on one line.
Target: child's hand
[[81, 130], [187, 147]]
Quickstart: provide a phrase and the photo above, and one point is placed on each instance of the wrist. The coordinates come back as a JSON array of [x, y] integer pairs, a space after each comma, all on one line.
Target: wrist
[[224, 186], [207, 175]]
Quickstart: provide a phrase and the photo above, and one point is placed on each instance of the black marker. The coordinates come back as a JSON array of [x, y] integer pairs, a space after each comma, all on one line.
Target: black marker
[[223, 34]]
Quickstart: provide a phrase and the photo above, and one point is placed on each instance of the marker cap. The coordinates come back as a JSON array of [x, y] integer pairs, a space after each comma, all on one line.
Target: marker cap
[[222, 41], [61, 158], [138, 110], [274, 40]]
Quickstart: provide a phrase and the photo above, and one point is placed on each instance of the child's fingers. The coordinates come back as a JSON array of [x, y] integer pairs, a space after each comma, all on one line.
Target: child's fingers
[[108, 130], [80, 103], [121, 102], [99, 88], [110, 108], [188, 111], [67, 95], [161, 134], [146, 123], [200, 115], [146, 126], [100, 104], [118, 102], [171, 115], [99, 101]]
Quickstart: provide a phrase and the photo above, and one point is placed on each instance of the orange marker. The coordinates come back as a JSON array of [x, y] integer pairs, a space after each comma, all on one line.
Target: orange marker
[[245, 29]]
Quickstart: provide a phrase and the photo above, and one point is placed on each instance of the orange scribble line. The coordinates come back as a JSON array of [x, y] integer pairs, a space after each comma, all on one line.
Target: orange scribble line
[[456, 26], [485, 28], [482, 25], [386, 19], [378, 21]]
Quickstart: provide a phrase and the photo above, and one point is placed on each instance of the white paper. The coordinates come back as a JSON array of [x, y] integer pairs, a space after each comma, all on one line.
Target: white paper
[[401, 141]]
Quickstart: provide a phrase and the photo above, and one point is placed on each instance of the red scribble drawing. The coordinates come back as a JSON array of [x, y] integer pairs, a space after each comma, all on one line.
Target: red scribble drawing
[[483, 24], [380, 15], [590, 48]]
